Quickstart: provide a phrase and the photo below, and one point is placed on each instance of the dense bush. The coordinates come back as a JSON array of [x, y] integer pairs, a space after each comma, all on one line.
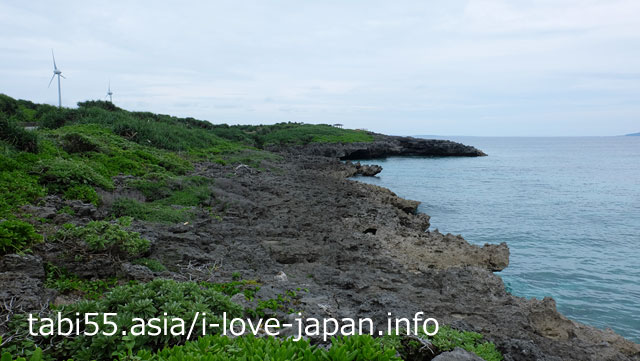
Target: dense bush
[[76, 142], [53, 118], [8, 105], [17, 136], [16, 235], [102, 104]]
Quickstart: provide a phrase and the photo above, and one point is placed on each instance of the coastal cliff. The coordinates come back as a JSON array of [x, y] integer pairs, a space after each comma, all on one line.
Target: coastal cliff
[[386, 146], [98, 198]]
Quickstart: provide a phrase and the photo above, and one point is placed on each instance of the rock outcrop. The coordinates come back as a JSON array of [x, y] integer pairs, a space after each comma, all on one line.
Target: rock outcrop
[[386, 146]]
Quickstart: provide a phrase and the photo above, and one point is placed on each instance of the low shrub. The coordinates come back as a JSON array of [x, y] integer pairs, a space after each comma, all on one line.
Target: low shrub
[[248, 288], [16, 235], [18, 188], [159, 299], [61, 174], [84, 193], [105, 236], [66, 283], [214, 348], [150, 300], [446, 339], [73, 142], [36, 355]]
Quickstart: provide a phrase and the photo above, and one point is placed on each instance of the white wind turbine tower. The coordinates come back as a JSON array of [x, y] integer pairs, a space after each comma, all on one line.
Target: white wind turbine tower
[[109, 92], [57, 72]]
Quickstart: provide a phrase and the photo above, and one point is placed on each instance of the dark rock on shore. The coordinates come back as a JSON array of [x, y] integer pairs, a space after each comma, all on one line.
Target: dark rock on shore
[[386, 146], [365, 170]]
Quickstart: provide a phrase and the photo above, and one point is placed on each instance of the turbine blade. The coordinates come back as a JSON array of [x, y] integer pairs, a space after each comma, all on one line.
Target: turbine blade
[[54, 60], [63, 76], [51, 80]]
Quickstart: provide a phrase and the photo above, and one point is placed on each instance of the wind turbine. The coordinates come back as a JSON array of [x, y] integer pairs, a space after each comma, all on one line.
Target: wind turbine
[[109, 92], [57, 72]]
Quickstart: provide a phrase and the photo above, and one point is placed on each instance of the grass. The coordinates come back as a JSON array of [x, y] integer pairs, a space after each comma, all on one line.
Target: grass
[[446, 339]]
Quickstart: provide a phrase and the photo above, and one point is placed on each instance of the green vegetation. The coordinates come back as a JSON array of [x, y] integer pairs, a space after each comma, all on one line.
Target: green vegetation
[[106, 236], [132, 303], [83, 192], [17, 136], [18, 188], [35, 356], [150, 211], [68, 283], [214, 348], [16, 235], [247, 287], [446, 339], [294, 133], [61, 174], [152, 264]]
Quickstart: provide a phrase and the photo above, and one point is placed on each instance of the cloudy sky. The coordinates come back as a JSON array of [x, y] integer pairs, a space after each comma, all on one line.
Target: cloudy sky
[[477, 67]]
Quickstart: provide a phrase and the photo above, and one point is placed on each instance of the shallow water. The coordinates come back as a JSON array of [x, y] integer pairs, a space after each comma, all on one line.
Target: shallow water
[[569, 209]]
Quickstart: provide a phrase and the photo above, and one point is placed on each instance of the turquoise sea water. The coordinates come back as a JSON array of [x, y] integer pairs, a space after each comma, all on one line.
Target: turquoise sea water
[[569, 209]]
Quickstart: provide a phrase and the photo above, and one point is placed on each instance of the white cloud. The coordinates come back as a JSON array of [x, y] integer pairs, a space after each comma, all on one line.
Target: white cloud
[[410, 67]]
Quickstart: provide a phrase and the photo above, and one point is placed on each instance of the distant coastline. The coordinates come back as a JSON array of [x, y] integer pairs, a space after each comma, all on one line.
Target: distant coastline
[[633, 135]]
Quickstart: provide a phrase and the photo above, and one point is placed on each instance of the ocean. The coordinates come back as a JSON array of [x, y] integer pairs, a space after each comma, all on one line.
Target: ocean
[[568, 207]]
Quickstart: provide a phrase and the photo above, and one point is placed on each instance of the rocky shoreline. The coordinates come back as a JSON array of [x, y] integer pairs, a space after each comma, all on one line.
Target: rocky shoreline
[[385, 146], [357, 250]]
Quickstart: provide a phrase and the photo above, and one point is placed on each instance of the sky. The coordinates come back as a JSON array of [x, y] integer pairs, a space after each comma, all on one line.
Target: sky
[[450, 67]]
